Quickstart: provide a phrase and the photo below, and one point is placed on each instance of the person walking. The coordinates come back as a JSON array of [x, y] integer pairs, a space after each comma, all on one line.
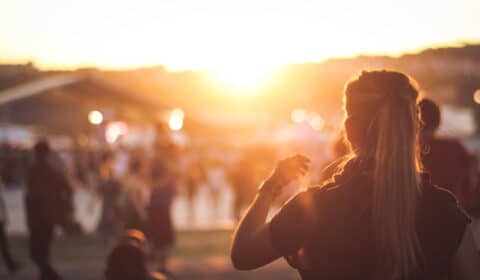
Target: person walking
[[164, 176], [48, 204], [110, 191], [137, 197]]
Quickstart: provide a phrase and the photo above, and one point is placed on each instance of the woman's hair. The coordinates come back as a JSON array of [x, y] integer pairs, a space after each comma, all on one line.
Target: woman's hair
[[381, 124]]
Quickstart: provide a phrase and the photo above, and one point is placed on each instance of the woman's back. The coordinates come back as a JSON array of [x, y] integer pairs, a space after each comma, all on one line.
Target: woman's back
[[341, 242]]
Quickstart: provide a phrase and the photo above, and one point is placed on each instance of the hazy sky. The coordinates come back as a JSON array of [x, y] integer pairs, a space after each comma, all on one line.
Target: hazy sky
[[223, 34]]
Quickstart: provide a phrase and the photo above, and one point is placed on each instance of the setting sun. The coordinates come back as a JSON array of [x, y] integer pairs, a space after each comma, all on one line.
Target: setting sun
[[242, 79]]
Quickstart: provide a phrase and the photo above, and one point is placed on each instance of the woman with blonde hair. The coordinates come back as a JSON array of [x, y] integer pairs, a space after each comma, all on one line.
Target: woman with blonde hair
[[379, 217]]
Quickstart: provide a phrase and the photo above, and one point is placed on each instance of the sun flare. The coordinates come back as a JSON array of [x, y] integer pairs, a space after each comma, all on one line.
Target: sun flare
[[242, 80]]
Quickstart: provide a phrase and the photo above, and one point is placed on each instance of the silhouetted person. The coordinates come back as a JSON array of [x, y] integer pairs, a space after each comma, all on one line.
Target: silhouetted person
[[48, 203], [137, 197], [380, 218], [164, 179], [446, 160], [11, 264], [127, 260], [162, 232], [110, 190]]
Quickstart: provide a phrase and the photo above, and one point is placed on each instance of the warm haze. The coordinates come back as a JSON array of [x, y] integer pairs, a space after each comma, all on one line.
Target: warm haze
[[240, 42]]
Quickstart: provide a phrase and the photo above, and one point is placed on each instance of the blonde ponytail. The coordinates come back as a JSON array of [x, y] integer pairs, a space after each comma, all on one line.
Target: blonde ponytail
[[396, 187], [381, 125]]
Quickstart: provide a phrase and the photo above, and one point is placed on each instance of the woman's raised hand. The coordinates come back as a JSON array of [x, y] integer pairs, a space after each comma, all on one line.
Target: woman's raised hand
[[286, 171]]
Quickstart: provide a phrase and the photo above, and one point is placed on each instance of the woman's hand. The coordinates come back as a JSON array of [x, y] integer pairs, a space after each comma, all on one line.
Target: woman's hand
[[252, 247], [286, 171]]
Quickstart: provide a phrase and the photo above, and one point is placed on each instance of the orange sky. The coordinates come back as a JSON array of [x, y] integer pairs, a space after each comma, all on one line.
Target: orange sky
[[224, 35]]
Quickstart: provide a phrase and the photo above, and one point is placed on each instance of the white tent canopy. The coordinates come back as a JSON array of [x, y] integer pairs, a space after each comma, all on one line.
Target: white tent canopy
[[38, 86]]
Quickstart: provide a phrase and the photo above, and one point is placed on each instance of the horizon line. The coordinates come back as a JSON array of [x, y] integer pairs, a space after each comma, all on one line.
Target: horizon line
[[459, 43]]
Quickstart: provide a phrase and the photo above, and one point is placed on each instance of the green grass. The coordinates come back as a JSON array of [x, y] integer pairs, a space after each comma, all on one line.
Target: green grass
[[196, 255], [197, 244], [189, 245]]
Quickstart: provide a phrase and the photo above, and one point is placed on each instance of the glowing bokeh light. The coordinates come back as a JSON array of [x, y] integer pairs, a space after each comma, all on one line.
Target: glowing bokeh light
[[175, 122], [298, 115], [95, 117], [476, 96], [317, 122], [114, 131]]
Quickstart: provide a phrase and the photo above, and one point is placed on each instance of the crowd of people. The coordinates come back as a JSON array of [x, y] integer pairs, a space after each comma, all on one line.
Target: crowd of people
[[130, 203], [133, 188], [139, 199], [376, 186]]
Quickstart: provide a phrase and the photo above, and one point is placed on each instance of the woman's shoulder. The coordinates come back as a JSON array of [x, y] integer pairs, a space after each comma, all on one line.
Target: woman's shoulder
[[327, 195], [442, 203], [353, 186], [318, 191], [436, 194], [441, 220]]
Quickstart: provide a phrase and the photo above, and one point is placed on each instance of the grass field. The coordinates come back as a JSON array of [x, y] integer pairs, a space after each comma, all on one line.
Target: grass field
[[197, 255]]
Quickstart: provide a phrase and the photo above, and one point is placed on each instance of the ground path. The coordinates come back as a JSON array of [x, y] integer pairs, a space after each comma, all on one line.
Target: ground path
[[198, 255]]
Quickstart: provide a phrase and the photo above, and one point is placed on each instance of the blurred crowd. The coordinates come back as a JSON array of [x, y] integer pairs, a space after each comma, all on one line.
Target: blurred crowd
[[137, 187], [134, 188]]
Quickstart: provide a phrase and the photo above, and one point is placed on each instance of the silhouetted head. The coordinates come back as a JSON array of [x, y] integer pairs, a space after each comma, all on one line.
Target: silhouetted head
[[429, 114], [381, 124], [377, 102], [126, 261], [42, 150], [136, 236]]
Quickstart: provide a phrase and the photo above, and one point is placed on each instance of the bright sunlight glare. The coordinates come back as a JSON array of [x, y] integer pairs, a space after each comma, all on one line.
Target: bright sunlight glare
[[242, 80], [187, 34]]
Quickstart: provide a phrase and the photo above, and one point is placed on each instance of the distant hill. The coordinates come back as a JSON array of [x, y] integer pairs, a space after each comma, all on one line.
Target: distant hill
[[449, 75]]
